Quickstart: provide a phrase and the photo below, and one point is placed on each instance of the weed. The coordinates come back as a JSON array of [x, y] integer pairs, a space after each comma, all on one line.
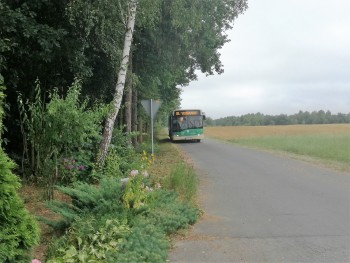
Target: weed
[[183, 180]]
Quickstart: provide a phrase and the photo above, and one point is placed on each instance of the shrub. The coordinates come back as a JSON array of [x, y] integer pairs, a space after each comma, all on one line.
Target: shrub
[[146, 243], [87, 199], [64, 128], [18, 230], [169, 213], [90, 242]]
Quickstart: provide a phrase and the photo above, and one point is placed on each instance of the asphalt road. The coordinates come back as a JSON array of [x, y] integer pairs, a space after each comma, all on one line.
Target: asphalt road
[[262, 207]]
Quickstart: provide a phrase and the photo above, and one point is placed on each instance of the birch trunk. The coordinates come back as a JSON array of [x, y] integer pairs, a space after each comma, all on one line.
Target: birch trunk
[[128, 101], [119, 89]]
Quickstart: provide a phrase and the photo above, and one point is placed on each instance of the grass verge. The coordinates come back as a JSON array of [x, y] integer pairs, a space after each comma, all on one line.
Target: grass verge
[[330, 150], [327, 144], [328, 147]]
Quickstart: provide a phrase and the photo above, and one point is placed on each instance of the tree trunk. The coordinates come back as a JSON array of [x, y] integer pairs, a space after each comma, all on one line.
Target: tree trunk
[[140, 130], [128, 100], [127, 111], [119, 89], [134, 116]]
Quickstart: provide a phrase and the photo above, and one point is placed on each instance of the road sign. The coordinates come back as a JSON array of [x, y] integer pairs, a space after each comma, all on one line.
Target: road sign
[[151, 106]]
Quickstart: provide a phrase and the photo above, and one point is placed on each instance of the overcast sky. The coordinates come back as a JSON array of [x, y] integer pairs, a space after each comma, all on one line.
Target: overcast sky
[[284, 56]]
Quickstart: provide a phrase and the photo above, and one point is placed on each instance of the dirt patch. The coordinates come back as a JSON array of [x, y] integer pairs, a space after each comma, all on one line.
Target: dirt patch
[[34, 201]]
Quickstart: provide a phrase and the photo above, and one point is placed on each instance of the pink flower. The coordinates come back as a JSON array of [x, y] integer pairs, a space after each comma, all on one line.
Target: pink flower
[[133, 173], [36, 261]]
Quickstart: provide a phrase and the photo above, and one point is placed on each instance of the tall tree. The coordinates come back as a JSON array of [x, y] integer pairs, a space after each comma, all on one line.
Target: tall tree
[[119, 89]]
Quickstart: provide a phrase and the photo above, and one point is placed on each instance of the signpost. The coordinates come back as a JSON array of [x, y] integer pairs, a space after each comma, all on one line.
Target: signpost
[[151, 107]]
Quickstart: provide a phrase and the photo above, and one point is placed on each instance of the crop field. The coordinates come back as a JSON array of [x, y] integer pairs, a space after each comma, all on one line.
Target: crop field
[[329, 143]]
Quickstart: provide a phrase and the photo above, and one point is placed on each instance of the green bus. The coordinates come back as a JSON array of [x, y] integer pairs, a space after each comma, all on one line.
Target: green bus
[[186, 125]]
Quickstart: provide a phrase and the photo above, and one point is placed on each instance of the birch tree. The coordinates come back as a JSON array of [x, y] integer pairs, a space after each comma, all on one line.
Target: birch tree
[[119, 89]]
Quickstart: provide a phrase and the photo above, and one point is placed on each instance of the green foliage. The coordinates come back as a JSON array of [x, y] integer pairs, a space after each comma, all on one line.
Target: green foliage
[[89, 242], [120, 146], [182, 180], [64, 128], [18, 230], [2, 98], [146, 243], [136, 194], [151, 214], [259, 119], [87, 199], [112, 165], [169, 213]]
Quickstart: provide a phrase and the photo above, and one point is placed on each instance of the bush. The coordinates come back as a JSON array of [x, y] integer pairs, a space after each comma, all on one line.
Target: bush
[[150, 214], [18, 230], [169, 213], [60, 132], [146, 243], [89, 241], [97, 200]]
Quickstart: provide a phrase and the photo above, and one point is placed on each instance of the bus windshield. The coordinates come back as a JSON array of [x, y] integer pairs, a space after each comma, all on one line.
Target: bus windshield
[[187, 122]]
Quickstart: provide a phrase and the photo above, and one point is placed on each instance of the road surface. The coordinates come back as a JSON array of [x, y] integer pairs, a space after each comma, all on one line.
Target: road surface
[[262, 207]]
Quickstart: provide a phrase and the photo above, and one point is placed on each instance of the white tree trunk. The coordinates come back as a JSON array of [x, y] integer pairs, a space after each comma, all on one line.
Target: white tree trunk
[[119, 89]]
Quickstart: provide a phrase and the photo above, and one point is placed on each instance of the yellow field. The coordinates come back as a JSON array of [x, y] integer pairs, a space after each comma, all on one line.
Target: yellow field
[[240, 132]]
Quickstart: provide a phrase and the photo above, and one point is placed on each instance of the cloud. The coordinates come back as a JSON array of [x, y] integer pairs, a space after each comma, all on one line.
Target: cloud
[[284, 56]]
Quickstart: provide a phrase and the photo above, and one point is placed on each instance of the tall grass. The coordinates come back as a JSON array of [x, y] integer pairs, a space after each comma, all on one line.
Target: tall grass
[[334, 147], [183, 180]]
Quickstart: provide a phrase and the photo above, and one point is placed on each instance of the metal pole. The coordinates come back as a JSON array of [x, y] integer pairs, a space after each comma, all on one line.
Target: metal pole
[[152, 125]]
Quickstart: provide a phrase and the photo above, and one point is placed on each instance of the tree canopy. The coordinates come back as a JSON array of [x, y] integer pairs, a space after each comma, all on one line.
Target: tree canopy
[[56, 41]]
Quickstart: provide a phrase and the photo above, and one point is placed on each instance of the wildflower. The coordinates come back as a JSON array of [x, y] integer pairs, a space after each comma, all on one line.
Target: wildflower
[[81, 168], [133, 173], [157, 186], [145, 173], [149, 189], [36, 261]]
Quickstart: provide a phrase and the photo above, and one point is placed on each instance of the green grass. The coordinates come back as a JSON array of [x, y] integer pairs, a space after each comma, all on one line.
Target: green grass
[[183, 180], [327, 147]]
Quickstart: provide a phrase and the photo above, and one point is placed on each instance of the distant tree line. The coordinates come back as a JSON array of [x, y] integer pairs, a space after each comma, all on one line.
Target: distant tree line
[[302, 117]]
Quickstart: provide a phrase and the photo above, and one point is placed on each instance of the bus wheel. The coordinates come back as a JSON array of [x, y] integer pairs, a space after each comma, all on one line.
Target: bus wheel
[[198, 140]]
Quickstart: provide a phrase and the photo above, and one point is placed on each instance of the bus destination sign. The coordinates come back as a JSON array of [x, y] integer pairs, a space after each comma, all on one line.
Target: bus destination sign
[[187, 112]]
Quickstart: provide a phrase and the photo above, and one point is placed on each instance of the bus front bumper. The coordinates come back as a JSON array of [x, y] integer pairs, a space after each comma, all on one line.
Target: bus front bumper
[[187, 137]]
